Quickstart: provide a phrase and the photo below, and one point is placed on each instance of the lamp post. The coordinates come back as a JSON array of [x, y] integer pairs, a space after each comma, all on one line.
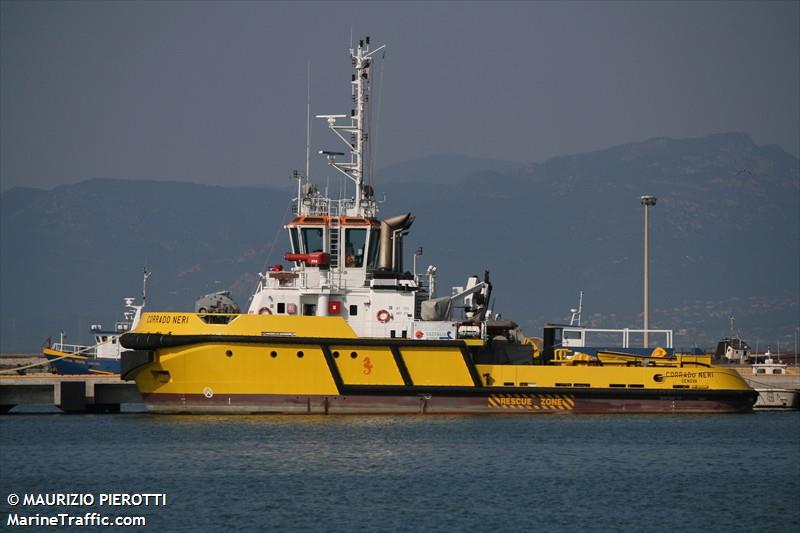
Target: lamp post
[[647, 202], [417, 252]]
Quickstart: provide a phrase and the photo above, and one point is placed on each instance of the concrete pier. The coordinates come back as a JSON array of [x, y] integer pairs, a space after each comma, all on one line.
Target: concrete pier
[[71, 394], [774, 391]]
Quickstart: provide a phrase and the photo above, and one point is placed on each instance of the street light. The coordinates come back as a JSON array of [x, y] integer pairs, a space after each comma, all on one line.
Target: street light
[[647, 202], [417, 252]]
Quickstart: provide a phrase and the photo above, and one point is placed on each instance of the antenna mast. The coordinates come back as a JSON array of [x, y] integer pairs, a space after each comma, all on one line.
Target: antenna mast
[[576, 313], [308, 122], [146, 275], [358, 130]]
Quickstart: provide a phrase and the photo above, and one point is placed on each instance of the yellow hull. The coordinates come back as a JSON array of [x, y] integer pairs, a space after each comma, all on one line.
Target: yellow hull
[[317, 365]]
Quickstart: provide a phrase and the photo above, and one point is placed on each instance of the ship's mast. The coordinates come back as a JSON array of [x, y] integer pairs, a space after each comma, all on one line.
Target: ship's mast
[[145, 275], [576, 313], [356, 169]]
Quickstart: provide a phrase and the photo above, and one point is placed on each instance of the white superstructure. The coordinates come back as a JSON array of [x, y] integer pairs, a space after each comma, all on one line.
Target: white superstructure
[[347, 262]]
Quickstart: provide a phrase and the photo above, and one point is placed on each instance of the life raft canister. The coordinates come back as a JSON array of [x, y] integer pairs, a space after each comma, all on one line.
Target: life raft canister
[[383, 316], [264, 311]]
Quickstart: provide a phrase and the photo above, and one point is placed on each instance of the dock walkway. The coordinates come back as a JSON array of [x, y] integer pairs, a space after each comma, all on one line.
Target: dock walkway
[[71, 394]]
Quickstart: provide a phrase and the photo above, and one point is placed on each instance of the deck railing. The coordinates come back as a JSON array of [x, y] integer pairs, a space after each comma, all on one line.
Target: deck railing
[[74, 348]]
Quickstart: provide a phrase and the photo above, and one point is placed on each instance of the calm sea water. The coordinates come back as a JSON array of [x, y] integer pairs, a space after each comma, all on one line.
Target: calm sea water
[[432, 473]]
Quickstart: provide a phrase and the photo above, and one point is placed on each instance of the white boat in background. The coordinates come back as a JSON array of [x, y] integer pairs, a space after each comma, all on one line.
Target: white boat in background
[[104, 356], [777, 384], [769, 366], [732, 350], [777, 399]]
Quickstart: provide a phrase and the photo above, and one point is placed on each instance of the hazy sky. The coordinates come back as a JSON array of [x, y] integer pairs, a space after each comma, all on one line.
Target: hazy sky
[[216, 92]]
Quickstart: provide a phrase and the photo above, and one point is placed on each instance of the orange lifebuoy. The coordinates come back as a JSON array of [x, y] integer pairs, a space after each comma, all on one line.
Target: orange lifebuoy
[[383, 316], [264, 311]]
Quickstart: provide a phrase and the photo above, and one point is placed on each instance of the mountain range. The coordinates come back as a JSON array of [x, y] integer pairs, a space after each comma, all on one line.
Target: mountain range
[[725, 240]]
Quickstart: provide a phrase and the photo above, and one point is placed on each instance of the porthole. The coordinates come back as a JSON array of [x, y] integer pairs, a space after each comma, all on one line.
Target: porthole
[[228, 353], [335, 355], [300, 354], [353, 355], [273, 354]]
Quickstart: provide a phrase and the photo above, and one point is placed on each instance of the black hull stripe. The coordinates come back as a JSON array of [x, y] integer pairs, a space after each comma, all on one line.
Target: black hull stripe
[[401, 366], [334, 370], [473, 371], [154, 341]]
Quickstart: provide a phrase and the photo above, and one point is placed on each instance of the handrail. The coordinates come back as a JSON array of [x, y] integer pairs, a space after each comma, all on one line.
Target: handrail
[[72, 349]]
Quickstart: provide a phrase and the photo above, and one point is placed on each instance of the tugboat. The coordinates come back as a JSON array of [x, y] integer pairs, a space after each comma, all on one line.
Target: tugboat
[[345, 329]]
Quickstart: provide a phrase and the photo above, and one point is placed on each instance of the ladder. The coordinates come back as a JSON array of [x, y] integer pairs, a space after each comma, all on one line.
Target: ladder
[[333, 241]]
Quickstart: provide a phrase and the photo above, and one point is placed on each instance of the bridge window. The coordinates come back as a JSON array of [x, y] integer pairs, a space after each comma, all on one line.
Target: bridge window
[[355, 244], [295, 240], [312, 240], [374, 240]]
